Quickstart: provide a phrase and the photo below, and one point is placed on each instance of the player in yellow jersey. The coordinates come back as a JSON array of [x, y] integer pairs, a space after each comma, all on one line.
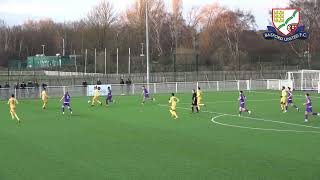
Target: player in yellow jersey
[[199, 97], [12, 104], [283, 100], [44, 97], [173, 110], [96, 96]]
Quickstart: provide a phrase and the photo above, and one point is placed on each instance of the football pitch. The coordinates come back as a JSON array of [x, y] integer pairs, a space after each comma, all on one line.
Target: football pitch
[[128, 140]]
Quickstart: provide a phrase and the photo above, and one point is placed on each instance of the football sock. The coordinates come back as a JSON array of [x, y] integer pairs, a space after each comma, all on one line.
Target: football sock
[[16, 116]]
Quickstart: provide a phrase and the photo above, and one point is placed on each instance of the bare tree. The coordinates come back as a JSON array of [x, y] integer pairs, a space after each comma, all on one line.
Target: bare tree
[[157, 16], [101, 18], [177, 17]]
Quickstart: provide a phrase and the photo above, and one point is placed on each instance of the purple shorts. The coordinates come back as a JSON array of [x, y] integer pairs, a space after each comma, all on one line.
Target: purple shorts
[[309, 109], [290, 101], [109, 98], [146, 96], [242, 105], [66, 104]]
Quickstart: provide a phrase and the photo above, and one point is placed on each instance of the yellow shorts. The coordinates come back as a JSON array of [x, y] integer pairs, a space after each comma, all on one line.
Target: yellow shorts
[[199, 100], [45, 100], [283, 100], [13, 110], [95, 98], [173, 108]]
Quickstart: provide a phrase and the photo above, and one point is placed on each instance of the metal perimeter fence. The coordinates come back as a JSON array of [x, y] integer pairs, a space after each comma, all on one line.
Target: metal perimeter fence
[[155, 88], [54, 78]]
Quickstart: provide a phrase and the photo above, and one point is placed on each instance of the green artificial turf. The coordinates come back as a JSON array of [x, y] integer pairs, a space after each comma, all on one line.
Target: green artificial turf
[[129, 141]]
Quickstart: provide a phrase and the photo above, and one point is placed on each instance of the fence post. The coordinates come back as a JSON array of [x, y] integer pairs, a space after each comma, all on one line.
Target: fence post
[[105, 60], [238, 84], [218, 86], [280, 84], [132, 89], [15, 93], [197, 85], [64, 89], [95, 60], [248, 85], [176, 87], [268, 84], [154, 88]]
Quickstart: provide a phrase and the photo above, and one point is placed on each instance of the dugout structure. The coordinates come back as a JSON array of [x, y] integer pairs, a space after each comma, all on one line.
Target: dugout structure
[[305, 80]]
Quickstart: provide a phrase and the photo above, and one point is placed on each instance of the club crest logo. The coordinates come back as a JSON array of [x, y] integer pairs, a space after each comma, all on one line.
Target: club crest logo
[[285, 25]]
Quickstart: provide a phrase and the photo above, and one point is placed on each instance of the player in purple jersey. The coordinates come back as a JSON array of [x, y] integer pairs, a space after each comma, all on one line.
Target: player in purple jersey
[[146, 95], [308, 105], [290, 100], [66, 102], [109, 96], [242, 100]]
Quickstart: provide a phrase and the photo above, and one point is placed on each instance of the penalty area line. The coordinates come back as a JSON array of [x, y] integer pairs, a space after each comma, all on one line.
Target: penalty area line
[[255, 128], [235, 101], [251, 118]]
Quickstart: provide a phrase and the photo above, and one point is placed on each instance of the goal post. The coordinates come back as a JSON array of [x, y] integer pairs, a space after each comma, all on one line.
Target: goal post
[[277, 84], [305, 80]]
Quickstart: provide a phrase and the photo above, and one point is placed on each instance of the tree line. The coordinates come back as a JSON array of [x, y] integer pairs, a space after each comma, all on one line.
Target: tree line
[[210, 35]]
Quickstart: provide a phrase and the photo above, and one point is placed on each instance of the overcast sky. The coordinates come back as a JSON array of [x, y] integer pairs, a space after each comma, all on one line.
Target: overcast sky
[[17, 11]]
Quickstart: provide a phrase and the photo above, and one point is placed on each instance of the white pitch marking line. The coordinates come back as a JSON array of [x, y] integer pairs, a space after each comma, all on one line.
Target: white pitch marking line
[[252, 118], [254, 128], [275, 93], [257, 100]]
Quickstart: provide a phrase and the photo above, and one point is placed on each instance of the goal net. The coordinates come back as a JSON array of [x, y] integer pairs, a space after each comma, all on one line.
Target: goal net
[[277, 84], [305, 80]]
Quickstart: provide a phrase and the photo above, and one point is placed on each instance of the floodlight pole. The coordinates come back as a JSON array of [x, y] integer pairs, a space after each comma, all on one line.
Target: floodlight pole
[[95, 60], [75, 60], [85, 62], [147, 46], [117, 61], [129, 63], [105, 60], [43, 49], [63, 48]]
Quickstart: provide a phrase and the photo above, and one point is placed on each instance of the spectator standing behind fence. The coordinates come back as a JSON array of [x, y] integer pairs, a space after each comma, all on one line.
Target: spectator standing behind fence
[[84, 84], [30, 84], [36, 84], [17, 86], [128, 82], [122, 84], [99, 82], [36, 89], [44, 85], [84, 87], [23, 85], [7, 85]]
